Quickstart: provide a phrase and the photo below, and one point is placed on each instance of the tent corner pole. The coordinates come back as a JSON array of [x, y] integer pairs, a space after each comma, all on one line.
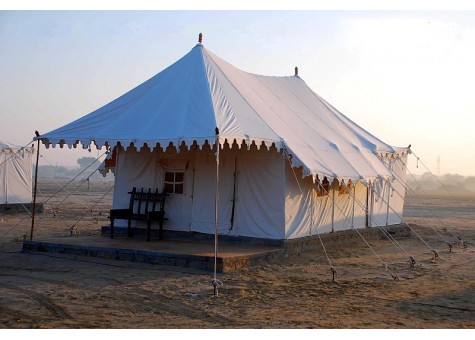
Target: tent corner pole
[[333, 209], [368, 188], [216, 207], [35, 189]]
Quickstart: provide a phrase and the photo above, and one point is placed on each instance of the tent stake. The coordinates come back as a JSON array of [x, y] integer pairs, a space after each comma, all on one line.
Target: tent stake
[[36, 185], [334, 273]]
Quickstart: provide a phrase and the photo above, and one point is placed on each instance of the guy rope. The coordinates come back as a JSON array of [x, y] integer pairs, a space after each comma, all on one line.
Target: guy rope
[[414, 194], [332, 268]]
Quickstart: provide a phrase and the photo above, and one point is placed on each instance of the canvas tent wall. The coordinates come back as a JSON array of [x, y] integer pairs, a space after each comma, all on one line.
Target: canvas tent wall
[[260, 194], [278, 138], [15, 174], [378, 203]]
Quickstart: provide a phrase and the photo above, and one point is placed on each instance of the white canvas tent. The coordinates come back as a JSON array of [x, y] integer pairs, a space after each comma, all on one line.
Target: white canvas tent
[[15, 175], [277, 137]]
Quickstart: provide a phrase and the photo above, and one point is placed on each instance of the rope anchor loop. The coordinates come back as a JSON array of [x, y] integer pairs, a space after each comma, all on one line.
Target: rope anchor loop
[[216, 284], [435, 255], [450, 246], [334, 273], [412, 261], [394, 276]]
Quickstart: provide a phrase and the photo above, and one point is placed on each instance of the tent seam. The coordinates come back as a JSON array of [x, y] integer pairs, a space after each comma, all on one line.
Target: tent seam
[[209, 87], [242, 97]]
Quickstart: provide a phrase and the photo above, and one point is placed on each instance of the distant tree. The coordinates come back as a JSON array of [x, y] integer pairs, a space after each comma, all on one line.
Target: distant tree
[[84, 162], [427, 181], [61, 172], [470, 183], [452, 178], [50, 171], [45, 171]]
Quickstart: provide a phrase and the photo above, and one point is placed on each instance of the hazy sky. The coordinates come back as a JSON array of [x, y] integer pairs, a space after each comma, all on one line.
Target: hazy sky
[[407, 77]]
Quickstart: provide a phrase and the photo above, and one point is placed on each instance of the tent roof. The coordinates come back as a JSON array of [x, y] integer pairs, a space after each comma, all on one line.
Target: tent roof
[[186, 102], [12, 147], [4, 145]]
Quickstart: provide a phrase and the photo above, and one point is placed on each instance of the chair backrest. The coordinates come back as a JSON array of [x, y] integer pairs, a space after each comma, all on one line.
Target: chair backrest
[[146, 199], [163, 196], [155, 198], [140, 198], [132, 198]]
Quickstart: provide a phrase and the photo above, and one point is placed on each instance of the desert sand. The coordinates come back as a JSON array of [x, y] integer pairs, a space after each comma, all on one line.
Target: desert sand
[[47, 290]]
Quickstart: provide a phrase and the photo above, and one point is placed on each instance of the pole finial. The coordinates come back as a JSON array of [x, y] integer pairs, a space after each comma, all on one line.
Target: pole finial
[[296, 71], [200, 38]]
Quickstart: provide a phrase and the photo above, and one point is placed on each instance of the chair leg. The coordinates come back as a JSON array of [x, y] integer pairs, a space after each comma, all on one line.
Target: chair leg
[[149, 229], [129, 228], [112, 228], [160, 235]]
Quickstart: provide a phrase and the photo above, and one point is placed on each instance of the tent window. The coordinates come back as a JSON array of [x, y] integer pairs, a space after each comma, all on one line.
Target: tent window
[[344, 188], [174, 182], [324, 188]]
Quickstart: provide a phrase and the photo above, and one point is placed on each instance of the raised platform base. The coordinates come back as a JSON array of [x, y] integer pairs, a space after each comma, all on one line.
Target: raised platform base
[[198, 253], [20, 207]]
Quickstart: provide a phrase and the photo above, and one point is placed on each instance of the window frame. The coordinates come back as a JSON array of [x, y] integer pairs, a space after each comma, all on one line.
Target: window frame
[[174, 183]]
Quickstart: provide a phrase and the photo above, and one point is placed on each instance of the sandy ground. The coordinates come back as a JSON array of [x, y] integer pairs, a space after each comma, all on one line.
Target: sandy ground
[[62, 291]]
